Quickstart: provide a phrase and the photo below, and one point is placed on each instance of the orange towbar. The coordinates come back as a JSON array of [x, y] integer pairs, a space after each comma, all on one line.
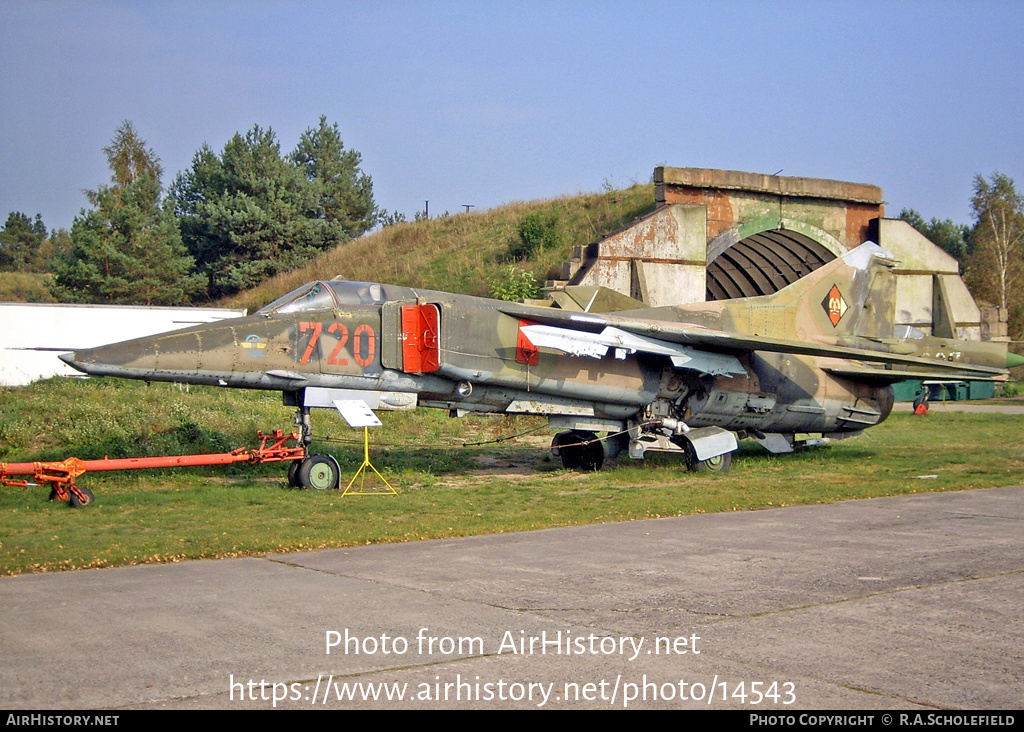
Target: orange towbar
[[61, 475]]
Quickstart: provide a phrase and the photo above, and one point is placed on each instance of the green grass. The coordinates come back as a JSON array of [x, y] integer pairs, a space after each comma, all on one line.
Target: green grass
[[25, 287], [447, 487]]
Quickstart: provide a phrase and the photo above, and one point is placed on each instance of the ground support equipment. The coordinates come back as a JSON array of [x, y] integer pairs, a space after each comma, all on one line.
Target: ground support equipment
[[60, 476]]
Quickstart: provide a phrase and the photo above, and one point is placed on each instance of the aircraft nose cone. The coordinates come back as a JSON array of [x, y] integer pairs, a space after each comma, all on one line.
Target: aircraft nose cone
[[86, 361], [69, 359], [117, 359]]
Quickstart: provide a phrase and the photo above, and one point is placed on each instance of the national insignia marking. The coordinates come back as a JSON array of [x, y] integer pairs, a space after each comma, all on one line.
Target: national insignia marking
[[254, 346], [835, 306]]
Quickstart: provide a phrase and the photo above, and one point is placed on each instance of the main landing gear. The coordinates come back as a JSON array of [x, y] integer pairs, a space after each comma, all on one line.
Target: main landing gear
[[717, 464], [705, 449], [579, 450]]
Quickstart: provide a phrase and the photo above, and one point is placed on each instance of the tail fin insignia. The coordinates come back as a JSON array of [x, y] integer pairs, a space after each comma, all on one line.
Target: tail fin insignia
[[835, 305]]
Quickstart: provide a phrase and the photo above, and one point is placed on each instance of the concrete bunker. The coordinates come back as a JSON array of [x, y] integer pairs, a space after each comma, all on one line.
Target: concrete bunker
[[718, 234], [762, 263]]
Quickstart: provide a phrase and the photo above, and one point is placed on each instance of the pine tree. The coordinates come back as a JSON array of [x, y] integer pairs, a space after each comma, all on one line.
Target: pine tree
[[128, 248], [251, 213], [341, 193], [20, 243]]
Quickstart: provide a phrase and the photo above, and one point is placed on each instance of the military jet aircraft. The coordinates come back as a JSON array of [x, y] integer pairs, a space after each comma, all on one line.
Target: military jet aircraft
[[818, 356]]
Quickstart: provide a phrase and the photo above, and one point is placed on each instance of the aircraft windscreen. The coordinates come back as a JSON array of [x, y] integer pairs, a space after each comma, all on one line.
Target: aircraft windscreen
[[314, 296], [324, 295], [358, 293]]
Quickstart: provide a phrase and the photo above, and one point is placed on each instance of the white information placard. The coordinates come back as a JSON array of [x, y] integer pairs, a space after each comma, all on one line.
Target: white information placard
[[356, 413]]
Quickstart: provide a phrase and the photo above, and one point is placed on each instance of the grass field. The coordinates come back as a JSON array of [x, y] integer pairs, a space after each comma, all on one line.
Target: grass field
[[449, 483]]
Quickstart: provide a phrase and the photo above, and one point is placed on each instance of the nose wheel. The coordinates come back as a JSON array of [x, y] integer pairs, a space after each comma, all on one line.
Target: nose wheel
[[315, 473], [293, 474]]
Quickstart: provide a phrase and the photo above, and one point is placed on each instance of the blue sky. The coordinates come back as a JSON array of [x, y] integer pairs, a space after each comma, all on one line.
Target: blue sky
[[485, 103]]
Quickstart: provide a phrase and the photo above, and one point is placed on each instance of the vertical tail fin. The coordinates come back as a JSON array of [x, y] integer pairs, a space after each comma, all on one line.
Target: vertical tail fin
[[853, 295]]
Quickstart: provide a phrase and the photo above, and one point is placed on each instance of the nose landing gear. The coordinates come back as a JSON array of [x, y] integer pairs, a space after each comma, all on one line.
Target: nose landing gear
[[314, 472]]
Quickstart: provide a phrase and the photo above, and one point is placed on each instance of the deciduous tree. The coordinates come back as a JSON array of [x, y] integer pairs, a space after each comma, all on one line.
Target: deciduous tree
[[129, 159], [995, 268], [996, 265]]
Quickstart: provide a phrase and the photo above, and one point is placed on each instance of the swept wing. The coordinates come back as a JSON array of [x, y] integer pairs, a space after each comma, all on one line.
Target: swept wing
[[714, 352]]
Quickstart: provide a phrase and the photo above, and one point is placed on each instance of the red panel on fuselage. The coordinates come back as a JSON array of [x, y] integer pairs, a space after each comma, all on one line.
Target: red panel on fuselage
[[420, 344]]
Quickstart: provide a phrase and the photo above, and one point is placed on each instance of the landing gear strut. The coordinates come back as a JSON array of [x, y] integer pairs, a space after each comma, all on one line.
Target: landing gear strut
[[314, 472]]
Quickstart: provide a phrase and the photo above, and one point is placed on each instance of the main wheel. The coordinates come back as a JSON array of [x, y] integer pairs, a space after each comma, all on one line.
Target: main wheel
[[579, 450], [85, 500], [319, 473], [716, 464]]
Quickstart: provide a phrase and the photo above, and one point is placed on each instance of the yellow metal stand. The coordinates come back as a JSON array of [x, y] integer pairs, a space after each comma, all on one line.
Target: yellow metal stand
[[362, 472]]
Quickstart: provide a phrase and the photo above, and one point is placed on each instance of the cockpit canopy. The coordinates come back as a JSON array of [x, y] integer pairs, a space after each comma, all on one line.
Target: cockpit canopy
[[323, 295]]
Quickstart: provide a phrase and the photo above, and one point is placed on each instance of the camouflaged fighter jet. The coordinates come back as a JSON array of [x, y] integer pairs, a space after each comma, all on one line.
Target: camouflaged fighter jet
[[819, 356]]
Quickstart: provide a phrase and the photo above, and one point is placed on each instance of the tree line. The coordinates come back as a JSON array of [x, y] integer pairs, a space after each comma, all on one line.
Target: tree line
[[228, 222], [240, 216]]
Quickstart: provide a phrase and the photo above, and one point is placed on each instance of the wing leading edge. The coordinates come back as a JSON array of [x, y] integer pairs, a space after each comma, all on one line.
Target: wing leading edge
[[717, 350], [623, 343]]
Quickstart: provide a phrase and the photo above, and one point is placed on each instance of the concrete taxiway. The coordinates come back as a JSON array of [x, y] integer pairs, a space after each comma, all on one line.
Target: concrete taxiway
[[910, 602]]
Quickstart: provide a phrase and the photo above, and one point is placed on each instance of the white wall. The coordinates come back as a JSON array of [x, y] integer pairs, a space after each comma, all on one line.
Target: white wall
[[31, 335]]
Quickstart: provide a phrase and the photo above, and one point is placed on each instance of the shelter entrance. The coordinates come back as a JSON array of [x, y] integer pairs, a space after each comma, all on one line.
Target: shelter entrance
[[762, 264]]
